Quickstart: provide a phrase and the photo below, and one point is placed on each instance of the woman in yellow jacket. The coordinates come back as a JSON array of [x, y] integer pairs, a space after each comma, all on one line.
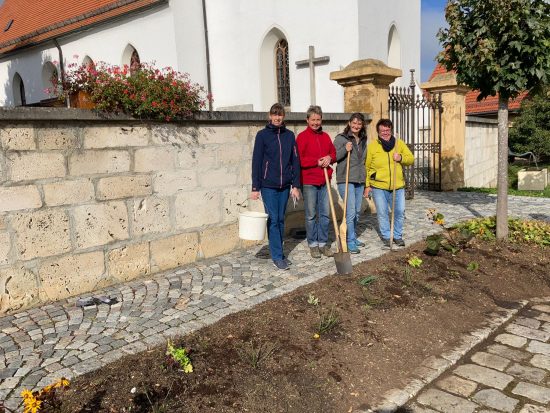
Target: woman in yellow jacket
[[382, 153]]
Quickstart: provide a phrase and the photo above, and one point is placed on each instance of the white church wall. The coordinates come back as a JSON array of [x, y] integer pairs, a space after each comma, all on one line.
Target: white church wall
[[236, 54], [377, 18], [150, 33]]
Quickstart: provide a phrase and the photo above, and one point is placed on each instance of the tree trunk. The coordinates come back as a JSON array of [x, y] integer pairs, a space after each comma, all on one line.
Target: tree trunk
[[502, 174]]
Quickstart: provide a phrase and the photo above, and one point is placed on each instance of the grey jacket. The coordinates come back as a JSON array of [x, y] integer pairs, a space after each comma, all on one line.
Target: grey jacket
[[358, 155]]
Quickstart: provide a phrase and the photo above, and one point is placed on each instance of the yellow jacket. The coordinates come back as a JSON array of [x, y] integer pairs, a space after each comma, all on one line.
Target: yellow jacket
[[379, 165]]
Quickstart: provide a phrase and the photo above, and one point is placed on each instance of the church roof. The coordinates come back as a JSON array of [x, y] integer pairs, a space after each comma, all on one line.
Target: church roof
[[25, 23], [489, 105]]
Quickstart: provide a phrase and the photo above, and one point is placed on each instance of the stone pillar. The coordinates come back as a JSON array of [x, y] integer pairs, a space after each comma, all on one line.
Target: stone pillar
[[366, 88], [453, 128]]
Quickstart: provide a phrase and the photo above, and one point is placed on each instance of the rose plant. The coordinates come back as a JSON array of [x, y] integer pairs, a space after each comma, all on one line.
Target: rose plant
[[144, 91]]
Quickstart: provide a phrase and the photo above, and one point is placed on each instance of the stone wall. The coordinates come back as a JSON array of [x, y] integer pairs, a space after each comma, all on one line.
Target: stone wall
[[480, 152], [86, 201]]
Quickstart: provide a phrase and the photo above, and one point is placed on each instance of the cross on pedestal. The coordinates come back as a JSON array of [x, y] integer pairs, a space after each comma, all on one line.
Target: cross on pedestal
[[311, 63]]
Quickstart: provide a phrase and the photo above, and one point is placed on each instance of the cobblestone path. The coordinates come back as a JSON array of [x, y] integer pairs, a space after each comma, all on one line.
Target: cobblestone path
[[44, 343]]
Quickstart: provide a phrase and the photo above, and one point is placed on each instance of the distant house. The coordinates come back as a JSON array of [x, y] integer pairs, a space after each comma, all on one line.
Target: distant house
[[488, 107]]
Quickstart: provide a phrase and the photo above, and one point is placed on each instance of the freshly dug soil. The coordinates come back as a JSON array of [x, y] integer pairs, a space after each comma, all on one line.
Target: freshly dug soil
[[385, 330]]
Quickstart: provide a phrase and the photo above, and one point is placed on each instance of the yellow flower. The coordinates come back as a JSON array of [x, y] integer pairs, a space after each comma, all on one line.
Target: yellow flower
[[188, 368], [32, 405], [316, 336], [27, 394]]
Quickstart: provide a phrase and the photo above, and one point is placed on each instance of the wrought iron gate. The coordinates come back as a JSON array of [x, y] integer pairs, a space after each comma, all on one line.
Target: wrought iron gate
[[417, 120]]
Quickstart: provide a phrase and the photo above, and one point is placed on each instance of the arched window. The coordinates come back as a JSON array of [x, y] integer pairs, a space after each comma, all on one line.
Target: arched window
[[19, 98], [130, 58], [50, 78], [283, 73], [88, 62], [394, 48]]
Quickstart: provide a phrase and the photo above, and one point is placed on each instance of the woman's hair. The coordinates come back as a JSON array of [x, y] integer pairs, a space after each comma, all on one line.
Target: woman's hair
[[313, 109], [384, 122], [277, 109], [360, 117]]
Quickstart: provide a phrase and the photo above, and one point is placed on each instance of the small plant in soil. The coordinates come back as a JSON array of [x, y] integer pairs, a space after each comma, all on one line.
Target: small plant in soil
[[452, 239], [179, 356], [312, 300], [407, 277], [328, 320], [473, 266], [47, 399], [366, 281], [254, 355], [154, 399], [414, 261]]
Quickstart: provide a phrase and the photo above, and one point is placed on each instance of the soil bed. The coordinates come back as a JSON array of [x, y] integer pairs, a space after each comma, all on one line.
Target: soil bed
[[384, 333]]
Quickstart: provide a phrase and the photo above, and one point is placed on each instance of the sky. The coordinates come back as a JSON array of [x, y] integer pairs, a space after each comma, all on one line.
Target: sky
[[432, 18]]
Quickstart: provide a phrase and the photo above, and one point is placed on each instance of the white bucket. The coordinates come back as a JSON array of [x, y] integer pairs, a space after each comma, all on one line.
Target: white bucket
[[252, 225]]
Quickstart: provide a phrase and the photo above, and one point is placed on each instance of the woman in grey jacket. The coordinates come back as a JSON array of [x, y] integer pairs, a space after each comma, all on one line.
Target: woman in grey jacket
[[353, 140]]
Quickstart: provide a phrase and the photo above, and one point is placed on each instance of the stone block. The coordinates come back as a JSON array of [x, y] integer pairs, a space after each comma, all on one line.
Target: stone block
[[526, 373], [97, 137], [175, 135], [511, 340], [68, 192], [527, 332], [233, 154], [197, 209], [222, 177], [496, 400], [71, 275], [174, 251], [154, 159], [100, 224], [41, 233], [483, 375], [197, 159], [532, 179], [15, 138], [234, 201], [540, 360], [14, 198], [457, 385], [99, 162], [219, 240], [150, 215], [168, 183], [129, 262], [29, 166], [532, 391], [5, 247], [18, 288], [538, 347], [126, 186], [59, 138], [222, 134], [445, 402], [490, 360]]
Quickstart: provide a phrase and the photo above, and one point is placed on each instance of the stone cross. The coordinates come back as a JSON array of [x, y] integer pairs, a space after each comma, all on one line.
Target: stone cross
[[311, 63]]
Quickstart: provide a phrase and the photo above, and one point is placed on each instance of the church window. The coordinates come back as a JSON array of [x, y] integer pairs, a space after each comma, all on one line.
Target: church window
[[282, 67], [135, 62], [19, 98]]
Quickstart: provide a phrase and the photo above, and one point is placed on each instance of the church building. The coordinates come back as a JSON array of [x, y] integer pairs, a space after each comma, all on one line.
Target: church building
[[247, 53]]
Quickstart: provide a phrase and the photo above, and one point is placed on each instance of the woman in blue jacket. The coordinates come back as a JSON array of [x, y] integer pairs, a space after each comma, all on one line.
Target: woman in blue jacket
[[275, 175]]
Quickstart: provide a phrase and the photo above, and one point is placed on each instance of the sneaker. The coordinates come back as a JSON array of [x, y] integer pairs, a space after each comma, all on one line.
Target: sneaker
[[326, 251], [287, 261], [280, 264], [399, 242], [386, 242], [315, 252], [359, 243], [352, 249]]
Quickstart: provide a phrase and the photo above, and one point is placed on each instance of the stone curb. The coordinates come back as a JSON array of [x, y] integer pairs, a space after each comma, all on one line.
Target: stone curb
[[433, 367]]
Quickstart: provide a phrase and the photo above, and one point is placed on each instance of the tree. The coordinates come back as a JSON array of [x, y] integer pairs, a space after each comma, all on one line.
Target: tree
[[531, 130], [498, 47]]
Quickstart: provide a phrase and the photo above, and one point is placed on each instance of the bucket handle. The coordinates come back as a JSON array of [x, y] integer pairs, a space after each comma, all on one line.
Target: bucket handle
[[243, 204]]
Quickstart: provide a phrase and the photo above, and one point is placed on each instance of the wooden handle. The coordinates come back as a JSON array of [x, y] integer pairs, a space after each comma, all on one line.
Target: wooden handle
[[333, 213]]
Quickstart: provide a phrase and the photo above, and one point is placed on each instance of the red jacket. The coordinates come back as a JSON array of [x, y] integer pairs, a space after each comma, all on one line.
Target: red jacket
[[313, 145]]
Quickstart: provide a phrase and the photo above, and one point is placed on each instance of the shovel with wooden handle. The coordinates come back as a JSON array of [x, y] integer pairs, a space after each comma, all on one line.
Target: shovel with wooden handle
[[344, 224], [341, 259]]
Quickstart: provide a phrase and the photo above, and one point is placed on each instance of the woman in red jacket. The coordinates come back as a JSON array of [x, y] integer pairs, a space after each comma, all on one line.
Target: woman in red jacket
[[316, 152]]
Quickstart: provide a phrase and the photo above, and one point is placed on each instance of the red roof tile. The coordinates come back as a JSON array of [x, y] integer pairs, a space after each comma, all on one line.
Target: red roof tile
[[487, 105], [38, 20]]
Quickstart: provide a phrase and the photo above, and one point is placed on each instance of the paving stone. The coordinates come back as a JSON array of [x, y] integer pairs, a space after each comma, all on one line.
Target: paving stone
[[490, 360], [528, 332], [531, 408], [538, 347], [445, 402], [527, 373], [507, 352], [544, 308], [511, 340], [483, 375], [527, 322], [540, 360], [532, 391], [496, 400], [457, 385]]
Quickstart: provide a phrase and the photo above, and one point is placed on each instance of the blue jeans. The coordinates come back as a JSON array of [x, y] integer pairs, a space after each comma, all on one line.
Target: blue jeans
[[275, 201], [316, 211], [353, 208], [382, 200]]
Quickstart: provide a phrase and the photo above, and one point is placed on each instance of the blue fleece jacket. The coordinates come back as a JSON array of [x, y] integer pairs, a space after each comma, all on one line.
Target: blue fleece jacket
[[275, 162]]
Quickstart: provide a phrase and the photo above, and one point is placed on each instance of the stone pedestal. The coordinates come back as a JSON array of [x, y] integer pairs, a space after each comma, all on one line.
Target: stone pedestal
[[366, 88], [453, 128], [532, 179]]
